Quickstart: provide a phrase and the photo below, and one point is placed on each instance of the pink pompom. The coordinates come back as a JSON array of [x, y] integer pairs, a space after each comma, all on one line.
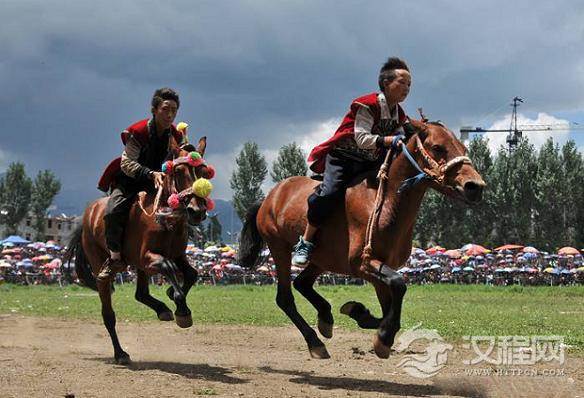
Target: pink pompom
[[209, 172], [174, 201], [195, 162], [210, 204]]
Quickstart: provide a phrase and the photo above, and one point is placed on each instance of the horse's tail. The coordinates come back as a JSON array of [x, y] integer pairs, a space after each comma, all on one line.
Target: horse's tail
[[250, 240], [82, 266]]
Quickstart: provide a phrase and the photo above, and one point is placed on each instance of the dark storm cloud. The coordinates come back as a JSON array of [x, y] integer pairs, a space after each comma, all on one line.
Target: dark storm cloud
[[74, 74]]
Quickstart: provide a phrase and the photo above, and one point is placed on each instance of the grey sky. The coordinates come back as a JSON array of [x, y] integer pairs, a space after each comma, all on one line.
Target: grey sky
[[75, 73]]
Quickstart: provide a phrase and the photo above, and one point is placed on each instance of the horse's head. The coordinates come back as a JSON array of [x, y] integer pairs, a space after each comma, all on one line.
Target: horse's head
[[186, 180], [444, 158]]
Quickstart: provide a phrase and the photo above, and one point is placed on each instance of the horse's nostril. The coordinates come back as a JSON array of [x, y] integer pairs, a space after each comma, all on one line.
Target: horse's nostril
[[473, 191]]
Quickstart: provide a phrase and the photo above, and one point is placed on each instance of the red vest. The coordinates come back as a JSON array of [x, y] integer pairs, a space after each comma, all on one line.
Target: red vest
[[138, 130], [347, 129]]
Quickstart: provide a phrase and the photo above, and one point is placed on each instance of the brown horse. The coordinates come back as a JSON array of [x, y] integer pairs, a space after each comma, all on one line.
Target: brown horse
[[340, 243], [154, 243]]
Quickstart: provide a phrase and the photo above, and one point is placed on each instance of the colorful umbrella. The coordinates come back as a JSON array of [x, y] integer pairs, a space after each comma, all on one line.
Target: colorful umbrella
[[453, 253], [530, 249], [435, 249], [476, 250], [568, 250], [508, 247]]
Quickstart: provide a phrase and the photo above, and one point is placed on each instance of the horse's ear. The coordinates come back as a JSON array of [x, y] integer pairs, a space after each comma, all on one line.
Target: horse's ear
[[202, 145], [416, 127]]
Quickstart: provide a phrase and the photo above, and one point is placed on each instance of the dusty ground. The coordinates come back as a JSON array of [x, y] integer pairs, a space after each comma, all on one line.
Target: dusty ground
[[42, 357]]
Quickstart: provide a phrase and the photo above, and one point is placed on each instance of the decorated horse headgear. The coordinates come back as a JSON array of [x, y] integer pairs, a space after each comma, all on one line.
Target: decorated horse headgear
[[201, 187], [432, 170]]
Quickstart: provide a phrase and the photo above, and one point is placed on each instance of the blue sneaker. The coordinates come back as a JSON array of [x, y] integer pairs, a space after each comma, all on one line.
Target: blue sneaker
[[301, 253]]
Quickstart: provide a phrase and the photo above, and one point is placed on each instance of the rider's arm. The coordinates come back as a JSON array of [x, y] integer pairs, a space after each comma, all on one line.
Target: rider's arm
[[130, 165], [363, 126]]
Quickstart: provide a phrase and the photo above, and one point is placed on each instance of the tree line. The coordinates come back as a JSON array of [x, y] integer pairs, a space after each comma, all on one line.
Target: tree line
[[20, 196], [532, 196]]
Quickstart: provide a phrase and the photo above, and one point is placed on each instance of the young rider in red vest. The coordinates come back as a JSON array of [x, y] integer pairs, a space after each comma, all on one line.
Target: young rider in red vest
[[138, 169], [358, 145]]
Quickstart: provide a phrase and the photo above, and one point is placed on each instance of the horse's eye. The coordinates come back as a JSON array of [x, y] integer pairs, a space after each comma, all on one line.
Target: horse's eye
[[438, 149]]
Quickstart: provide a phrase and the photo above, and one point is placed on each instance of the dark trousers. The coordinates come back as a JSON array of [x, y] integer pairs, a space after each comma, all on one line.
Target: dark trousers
[[118, 208], [338, 174]]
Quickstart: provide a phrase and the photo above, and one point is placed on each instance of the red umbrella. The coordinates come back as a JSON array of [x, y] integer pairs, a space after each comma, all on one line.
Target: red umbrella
[[435, 249], [568, 250], [476, 250], [530, 249], [508, 247], [453, 253]]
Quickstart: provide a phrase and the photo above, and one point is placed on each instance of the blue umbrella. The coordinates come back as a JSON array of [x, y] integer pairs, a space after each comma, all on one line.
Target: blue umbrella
[[468, 269], [404, 270], [456, 269], [435, 266], [500, 270], [15, 239]]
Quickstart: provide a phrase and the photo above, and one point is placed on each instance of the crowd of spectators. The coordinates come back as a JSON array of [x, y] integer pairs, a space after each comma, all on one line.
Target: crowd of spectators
[[42, 263]]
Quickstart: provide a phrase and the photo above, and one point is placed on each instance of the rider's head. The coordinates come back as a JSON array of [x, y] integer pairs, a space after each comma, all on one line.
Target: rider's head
[[165, 103], [395, 80]]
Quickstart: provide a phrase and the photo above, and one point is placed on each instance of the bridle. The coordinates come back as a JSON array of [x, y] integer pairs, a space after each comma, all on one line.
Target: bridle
[[431, 170], [178, 201]]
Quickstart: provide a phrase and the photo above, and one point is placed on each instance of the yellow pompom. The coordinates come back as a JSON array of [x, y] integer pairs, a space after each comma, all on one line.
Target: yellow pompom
[[202, 187], [182, 127]]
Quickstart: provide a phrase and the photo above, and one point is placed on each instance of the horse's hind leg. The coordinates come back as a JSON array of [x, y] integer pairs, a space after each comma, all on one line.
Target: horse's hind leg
[[109, 320], [285, 301], [143, 295], [304, 283]]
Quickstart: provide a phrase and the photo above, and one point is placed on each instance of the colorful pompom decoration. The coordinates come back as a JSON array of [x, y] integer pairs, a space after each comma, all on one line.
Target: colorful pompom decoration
[[209, 172], [210, 204], [195, 162], [167, 167], [202, 187], [195, 155], [174, 201], [182, 127]]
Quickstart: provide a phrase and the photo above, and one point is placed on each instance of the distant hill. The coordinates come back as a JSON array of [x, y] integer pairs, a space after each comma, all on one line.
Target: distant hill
[[73, 202]]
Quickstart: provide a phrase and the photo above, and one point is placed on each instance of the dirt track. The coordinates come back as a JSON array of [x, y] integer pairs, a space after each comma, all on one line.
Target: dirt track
[[42, 357]]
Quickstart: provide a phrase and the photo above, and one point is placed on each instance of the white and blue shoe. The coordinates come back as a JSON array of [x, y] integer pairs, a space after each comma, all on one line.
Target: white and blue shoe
[[301, 253]]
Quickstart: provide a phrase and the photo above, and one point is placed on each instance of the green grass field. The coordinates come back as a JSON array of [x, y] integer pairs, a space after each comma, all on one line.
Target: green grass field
[[453, 310]]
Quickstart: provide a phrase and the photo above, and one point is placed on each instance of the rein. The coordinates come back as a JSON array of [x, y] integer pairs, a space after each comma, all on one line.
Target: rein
[[433, 171]]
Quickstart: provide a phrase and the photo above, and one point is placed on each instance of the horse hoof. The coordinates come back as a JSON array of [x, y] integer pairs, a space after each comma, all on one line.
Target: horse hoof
[[166, 316], [381, 350], [185, 321], [319, 352], [123, 359], [325, 328]]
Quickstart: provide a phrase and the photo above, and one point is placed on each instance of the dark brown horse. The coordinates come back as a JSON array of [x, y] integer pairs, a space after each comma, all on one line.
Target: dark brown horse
[[154, 242], [340, 243]]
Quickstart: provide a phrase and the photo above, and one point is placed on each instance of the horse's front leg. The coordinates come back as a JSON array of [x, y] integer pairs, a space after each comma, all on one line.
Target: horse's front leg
[[156, 263], [390, 292], [190, 276]]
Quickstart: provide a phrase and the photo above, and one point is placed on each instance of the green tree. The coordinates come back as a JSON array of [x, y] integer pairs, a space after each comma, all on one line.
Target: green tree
[[478, 226], [45, 187], [572, 186], [214, 229], [290, 162], [247, 178], [548, 213], [15, 196]]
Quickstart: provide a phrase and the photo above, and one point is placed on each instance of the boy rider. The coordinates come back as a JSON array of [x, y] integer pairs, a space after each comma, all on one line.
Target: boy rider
[[139, 169], [358, 145]]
